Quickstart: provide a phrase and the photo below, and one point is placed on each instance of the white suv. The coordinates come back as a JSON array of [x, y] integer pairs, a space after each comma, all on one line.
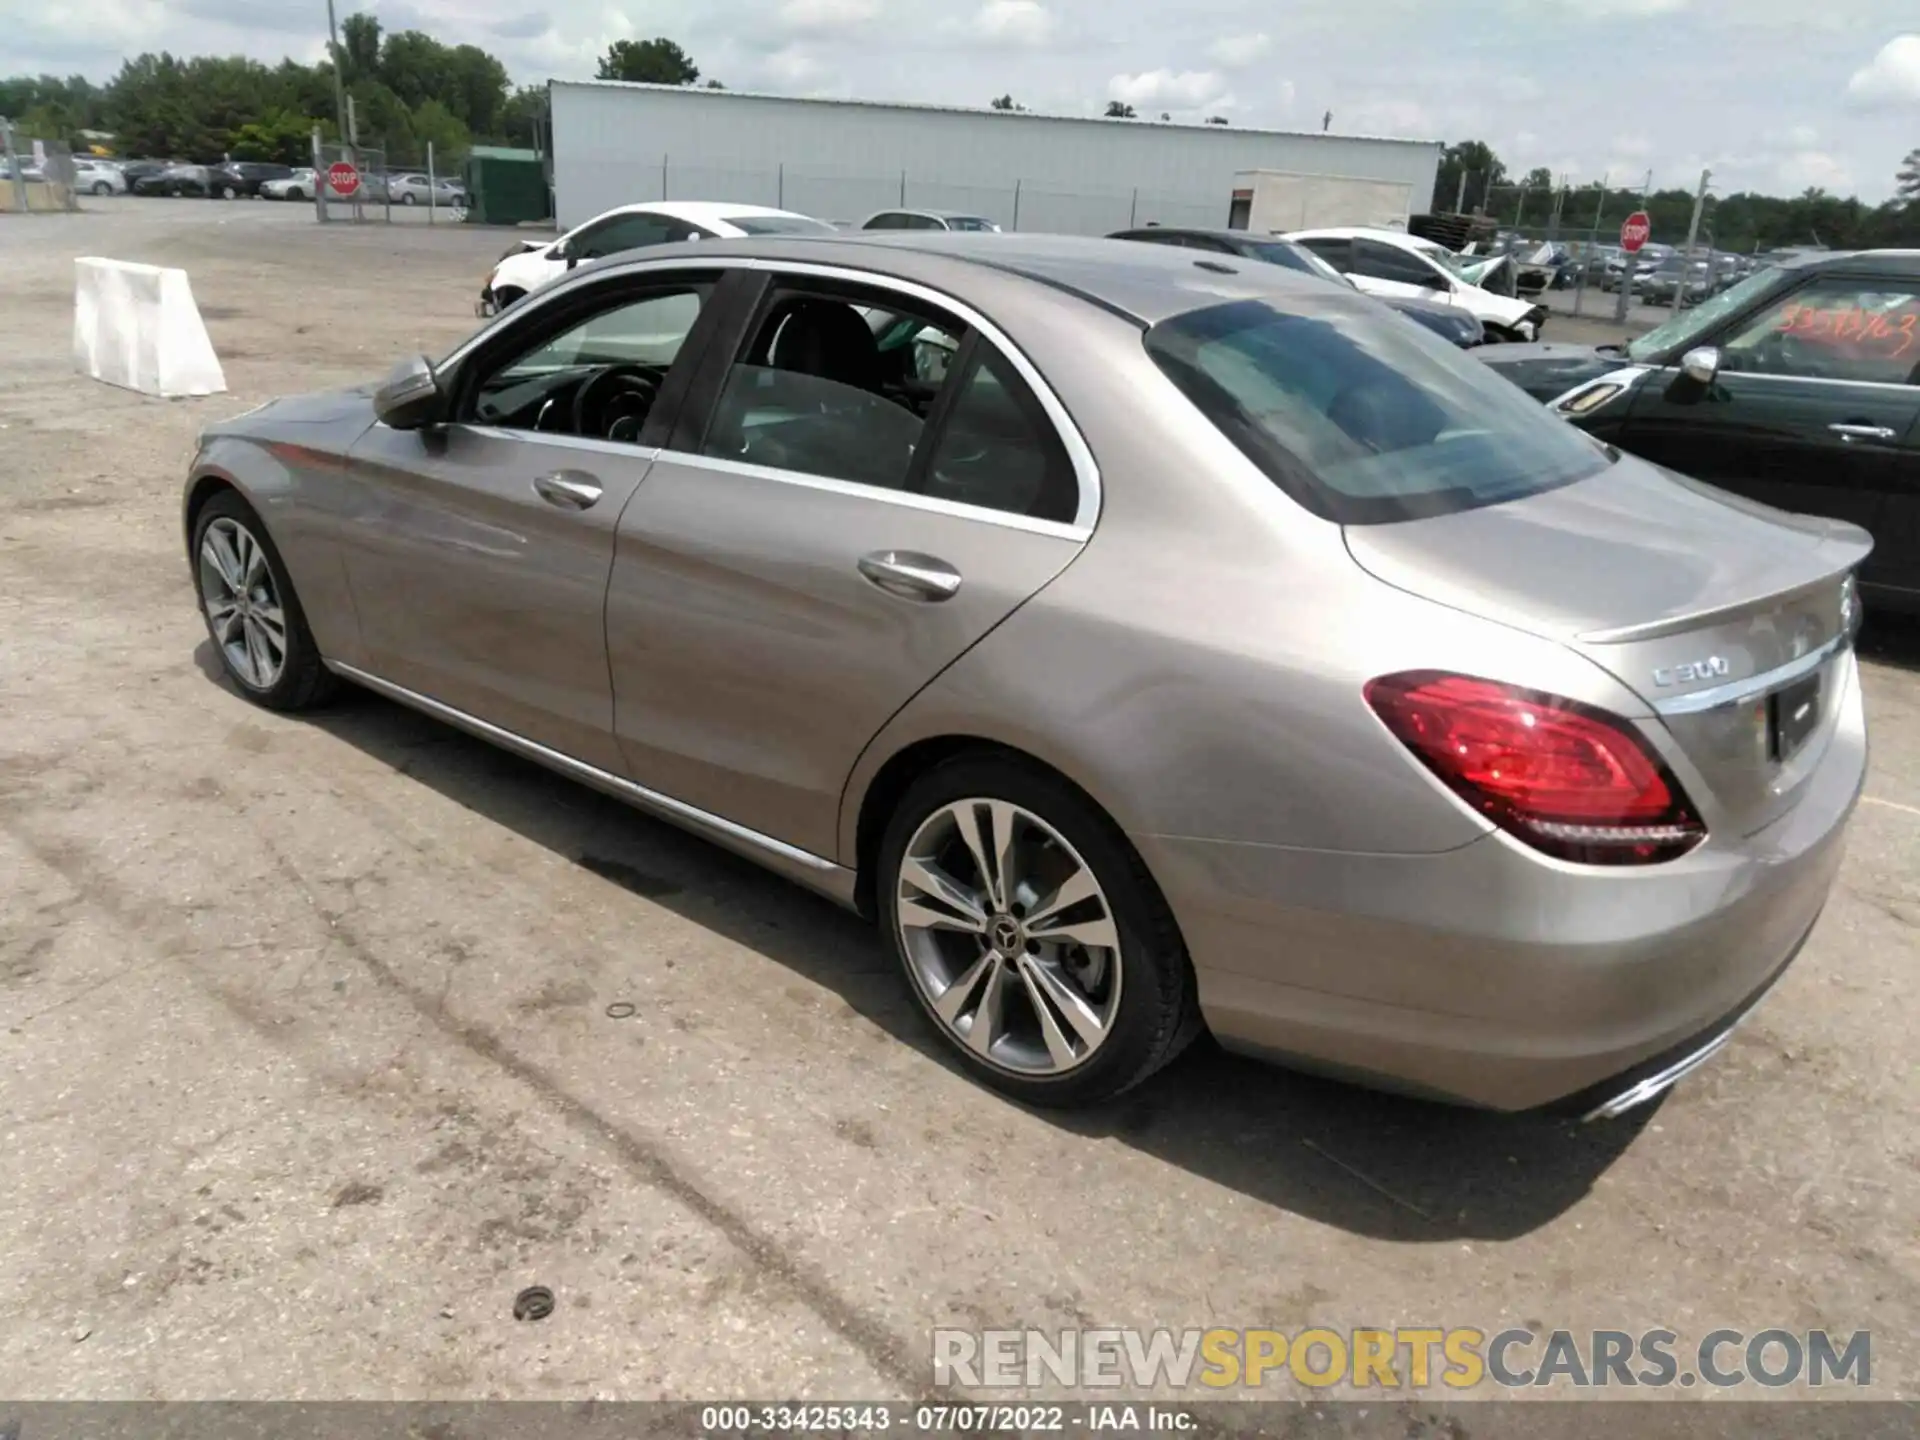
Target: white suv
[[1391, 263]]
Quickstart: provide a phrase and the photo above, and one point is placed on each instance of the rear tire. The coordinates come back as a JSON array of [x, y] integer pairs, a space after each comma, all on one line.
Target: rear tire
[[1114, 1013], [101, 187], [252, 615]]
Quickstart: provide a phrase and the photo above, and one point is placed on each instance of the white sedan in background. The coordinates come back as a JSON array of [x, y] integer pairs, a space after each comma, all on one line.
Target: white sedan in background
[[94, 177], [632, 227], [297, 186], [1394, 264], [414, 188]]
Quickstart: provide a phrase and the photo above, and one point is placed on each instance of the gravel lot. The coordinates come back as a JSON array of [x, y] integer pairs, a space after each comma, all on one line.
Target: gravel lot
[[307, 1070]]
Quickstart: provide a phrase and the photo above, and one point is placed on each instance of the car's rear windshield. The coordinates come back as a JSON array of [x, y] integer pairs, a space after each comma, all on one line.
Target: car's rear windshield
[[1362, 418], [777, 225]]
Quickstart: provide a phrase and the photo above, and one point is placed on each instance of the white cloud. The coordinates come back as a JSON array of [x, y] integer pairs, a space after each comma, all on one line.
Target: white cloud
[[1013, 22], [821, 16], [1892, 78], [1235, 52], [1614, 9], [1164, 90], [1406, 119], [1806, 169], [789, 69]]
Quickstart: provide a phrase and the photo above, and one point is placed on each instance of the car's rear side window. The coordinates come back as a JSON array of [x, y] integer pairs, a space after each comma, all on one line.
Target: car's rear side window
[[1362, 418]]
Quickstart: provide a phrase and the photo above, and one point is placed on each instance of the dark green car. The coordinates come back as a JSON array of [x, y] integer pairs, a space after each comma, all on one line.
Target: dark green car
[[1798, 387]]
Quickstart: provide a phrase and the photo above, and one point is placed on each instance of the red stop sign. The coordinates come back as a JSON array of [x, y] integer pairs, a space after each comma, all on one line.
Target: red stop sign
[[1635, 231], [343, 179]]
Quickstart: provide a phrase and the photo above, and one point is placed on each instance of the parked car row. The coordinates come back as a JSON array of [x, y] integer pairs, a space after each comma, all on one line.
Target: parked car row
[[245, 179], [1148, 639], [1417, 277]]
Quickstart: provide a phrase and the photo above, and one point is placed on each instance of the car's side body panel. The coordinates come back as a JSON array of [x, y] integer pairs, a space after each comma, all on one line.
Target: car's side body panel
[[751, 658]]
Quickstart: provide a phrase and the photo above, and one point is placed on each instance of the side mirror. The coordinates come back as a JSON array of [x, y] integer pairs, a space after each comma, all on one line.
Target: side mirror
[[1701, 365], [411, 398]]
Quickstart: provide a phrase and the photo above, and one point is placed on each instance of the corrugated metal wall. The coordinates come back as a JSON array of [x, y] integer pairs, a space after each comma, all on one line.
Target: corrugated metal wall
[[623, 144]]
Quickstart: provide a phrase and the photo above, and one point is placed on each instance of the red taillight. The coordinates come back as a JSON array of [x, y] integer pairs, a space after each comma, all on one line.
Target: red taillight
[[1568, 779]]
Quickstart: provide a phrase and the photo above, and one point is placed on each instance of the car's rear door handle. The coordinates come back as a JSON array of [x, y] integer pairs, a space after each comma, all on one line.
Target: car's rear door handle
[[569, 489], [911, 575], [1862, 432]]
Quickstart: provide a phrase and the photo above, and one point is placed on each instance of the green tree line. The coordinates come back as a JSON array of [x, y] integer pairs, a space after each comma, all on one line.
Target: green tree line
[[407, 89], [1472, 174]]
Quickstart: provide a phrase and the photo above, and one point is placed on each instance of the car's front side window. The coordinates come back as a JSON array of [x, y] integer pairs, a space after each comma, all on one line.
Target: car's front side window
[[1839, 329], [623, 232], [598, 377], [1381, 261], [1336, 251]]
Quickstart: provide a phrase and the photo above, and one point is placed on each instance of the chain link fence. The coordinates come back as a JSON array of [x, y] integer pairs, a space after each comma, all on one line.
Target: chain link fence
[[1566, 238], [386, 185], [848, 197], [35, 173]]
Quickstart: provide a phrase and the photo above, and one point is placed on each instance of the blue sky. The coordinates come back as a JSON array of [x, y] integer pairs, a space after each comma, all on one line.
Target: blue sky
[[1770, 95]]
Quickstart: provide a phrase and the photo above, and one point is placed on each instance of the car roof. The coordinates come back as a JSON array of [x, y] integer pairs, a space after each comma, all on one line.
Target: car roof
[[698, 212], [1905, 263], [1365, 232], [1210, 232], [1144, 283]]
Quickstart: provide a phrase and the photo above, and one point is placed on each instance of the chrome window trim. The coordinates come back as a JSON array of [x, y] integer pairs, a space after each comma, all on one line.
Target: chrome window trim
[[1726, 373], [1086, 471], [617, 785], [984, 513], [1737, 691], [592, 444]]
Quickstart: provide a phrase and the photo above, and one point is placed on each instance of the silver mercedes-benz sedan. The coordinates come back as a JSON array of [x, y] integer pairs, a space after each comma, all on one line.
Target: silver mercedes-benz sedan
[[1146, 641]]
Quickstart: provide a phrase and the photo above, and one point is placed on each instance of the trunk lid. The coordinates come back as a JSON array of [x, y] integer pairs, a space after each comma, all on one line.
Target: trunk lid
[[1725, 616]]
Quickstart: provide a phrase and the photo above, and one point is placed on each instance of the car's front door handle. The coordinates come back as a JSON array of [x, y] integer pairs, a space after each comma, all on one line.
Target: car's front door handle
[[1862, 432], [569, 489], [910, 575]]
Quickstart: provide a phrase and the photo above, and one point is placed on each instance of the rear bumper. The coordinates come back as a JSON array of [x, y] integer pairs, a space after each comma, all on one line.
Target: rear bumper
[[1492, 976]]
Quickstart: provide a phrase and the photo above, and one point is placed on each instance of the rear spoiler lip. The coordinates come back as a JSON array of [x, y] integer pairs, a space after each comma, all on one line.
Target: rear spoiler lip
[[1845, 544]]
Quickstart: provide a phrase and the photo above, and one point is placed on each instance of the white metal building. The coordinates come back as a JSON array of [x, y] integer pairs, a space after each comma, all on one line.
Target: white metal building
[[619, 144]]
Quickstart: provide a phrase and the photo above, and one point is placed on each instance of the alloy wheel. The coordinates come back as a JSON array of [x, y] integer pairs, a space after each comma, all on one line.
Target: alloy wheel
[[1009, 937], [244, 610]]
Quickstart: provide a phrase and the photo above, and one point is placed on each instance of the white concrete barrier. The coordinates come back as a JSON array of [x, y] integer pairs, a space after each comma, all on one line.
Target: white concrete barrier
[[137, 326]]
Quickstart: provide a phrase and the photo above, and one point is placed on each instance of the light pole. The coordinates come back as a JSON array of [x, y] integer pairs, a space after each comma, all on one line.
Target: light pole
[[339, 82]]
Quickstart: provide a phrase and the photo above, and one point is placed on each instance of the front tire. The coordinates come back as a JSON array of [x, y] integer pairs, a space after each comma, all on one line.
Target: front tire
[[251, 612], [407, 199], [1031, 935]]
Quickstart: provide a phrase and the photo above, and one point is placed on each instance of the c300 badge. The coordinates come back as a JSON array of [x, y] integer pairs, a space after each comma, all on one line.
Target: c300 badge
[[1711, 668]]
